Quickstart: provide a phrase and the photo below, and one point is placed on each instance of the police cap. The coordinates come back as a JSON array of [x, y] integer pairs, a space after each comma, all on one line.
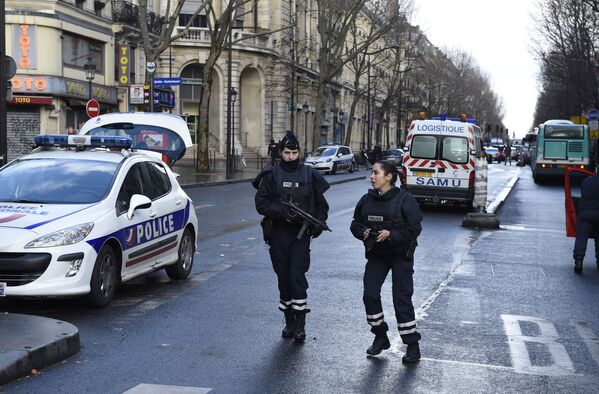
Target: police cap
[[290, 142]]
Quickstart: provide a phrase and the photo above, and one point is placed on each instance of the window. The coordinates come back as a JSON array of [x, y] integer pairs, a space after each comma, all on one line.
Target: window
[[98, 7], [424, 147], [157, 184], [455, 150], [131, 185], [198, 21], [77, 49], [191, 89], [564, 132]]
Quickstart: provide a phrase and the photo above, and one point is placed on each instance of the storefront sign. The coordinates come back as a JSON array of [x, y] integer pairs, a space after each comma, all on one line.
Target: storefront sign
[[24, 45], [124, 65], [62, 87], [30, 100]]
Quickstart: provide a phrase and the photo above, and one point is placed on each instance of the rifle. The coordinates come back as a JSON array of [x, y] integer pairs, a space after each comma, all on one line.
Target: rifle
[[307, 219]]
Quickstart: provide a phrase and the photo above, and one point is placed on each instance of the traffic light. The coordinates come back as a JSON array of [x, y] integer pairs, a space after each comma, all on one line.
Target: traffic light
[[10, 69]]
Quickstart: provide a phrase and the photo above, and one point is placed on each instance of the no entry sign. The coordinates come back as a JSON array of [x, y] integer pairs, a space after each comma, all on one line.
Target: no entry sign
[[92, 108]]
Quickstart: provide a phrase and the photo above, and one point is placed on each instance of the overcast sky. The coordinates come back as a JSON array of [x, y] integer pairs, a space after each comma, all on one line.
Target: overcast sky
[[497, 35]]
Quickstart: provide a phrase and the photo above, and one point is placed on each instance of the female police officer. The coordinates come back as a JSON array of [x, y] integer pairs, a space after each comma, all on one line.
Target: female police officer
[[388, 220], [291, 182]]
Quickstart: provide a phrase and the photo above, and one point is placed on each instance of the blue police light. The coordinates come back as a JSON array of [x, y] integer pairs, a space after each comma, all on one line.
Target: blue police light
[[443, 116], [61, 140]]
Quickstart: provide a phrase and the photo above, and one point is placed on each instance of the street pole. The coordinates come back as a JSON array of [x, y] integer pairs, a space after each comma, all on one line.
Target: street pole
[[228, 169], [3, 83]]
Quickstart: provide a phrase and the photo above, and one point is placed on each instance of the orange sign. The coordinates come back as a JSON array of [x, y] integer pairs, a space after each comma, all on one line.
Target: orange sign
[[123, 65], [24, 44]]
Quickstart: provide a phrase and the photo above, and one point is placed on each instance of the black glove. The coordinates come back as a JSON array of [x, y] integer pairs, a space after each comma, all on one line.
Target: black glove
[[316, 232]]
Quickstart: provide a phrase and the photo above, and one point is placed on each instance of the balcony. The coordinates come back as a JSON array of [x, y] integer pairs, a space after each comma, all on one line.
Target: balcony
[[251, 42], [127, 13]]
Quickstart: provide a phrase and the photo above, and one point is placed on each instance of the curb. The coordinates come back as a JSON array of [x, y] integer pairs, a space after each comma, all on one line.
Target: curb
[[228, 181], [489, 219], [35, 342]]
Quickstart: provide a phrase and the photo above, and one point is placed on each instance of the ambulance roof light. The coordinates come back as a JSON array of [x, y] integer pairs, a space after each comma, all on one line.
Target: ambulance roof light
[[421, 115], [443, 116], [463, 117], [61, 140]]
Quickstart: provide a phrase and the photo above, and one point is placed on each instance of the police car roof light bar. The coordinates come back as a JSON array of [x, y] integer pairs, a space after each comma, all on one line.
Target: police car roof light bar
[[61, 140], [469, 120]]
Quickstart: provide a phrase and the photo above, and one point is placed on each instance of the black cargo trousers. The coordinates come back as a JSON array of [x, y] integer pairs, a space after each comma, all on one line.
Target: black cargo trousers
[[291, 260], [402, 270]]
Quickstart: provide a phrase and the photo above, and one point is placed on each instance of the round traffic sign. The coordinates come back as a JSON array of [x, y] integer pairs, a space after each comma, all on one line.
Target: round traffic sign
[[92, 108], [151, 66], [593, 114]]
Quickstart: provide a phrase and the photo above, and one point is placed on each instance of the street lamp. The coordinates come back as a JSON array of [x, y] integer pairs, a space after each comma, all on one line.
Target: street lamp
[[306, 108], [233, 95], [90, 74]]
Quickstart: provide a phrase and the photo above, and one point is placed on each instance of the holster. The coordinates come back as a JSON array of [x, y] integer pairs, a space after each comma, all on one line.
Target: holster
[[267, 225]]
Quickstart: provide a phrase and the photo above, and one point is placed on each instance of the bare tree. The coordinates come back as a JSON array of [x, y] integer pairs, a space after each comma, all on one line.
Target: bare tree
[[335, 20]]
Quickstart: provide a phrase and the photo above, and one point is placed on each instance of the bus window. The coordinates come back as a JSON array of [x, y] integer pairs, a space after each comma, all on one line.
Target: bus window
[[424, 147], [564, 133], [556, 149]]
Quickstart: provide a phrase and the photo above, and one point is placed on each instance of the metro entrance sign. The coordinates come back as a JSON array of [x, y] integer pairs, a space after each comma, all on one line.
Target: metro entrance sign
[[593, 114], [92, 108]]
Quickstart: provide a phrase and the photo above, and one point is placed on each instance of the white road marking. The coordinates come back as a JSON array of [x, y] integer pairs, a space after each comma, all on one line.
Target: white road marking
[[144, 388], [589, 338], [502, 195], [517, 227], [562, 364], [200, 206], [499, 367]]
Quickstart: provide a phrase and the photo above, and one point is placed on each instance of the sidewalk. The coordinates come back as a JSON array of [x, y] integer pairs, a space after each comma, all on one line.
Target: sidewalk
[[189, 177]]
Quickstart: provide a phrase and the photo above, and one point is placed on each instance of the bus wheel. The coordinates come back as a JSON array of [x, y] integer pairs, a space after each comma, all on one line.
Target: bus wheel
[[537, 178]]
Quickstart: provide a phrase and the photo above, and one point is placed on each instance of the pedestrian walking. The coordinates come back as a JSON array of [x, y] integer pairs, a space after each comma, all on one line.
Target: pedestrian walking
[[508, 155], [387, 219], [291, 182], [587, 221], [273, 151]]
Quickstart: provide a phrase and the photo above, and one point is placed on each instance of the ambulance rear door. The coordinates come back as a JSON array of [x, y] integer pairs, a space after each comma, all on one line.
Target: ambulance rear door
[[454, 167], [420, 164]]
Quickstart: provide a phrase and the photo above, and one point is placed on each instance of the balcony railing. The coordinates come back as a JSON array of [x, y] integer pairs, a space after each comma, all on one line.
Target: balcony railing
[[128, 13], [250, 40]]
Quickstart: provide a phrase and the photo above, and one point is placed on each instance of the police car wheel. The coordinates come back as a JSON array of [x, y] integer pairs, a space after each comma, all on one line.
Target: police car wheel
[[182, 267], [104, 278], [351, 168], [334, 169]]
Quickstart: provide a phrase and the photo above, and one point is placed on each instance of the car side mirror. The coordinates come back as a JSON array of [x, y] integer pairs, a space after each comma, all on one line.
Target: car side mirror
[[339, 154], [473, 152], [138, 202]]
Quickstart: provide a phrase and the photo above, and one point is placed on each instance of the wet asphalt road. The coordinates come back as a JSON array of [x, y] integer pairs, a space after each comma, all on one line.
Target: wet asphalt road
[[500, 311]]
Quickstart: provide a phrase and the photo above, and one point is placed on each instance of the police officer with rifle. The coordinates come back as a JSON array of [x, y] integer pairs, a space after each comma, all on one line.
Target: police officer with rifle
[[290, 196]]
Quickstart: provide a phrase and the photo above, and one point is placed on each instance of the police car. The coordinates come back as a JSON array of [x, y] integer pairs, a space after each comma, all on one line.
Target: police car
[[331, 158], [82, 213]]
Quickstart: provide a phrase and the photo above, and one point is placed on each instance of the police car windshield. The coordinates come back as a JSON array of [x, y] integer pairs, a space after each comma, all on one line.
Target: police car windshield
[[324, 152], [56, 181]]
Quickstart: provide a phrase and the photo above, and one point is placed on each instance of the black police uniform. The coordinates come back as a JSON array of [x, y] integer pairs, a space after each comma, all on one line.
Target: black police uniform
[[290, 256], [398, 212], [587, 220]]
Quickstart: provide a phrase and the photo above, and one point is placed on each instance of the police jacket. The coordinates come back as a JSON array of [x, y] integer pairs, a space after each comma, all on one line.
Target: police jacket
[[396, 211], [589, 197], [303, 185]]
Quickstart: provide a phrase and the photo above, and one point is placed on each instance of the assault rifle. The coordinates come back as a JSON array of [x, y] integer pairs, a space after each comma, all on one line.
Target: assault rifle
[[307, 219]]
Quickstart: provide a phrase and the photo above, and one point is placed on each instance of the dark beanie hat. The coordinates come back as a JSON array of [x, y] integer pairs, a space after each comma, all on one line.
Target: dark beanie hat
[[290, 142]]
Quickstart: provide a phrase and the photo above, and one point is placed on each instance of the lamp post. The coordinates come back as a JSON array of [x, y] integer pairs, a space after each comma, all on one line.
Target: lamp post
[[90, 74], [306, 109], [233, 96]]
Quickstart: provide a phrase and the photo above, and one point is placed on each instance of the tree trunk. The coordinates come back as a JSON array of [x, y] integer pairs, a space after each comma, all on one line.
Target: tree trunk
[[203, 127], [320, 98], [350, 125]]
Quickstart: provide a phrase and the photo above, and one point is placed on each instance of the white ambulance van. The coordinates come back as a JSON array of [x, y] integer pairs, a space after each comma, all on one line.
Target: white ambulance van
[[439, 159]]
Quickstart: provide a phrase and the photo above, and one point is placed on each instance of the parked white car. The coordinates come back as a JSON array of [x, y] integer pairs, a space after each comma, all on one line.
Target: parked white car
[[331, 158]]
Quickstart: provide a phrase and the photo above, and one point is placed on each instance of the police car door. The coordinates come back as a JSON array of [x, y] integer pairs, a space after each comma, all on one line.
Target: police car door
[[132, 236], [453, 170], [168, 214]]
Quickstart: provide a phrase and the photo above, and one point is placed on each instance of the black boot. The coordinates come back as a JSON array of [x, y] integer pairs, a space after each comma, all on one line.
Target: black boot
[[299, 334], [412, 354], [289, 325], [381, 341], [578, 266]]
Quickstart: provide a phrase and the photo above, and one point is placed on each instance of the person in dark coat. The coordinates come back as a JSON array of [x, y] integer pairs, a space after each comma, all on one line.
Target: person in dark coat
[[587, 221], [290, 181], [387, 219], [273, 151]]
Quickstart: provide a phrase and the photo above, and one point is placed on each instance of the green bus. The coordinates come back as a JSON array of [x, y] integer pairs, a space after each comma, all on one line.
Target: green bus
[[559, 144]]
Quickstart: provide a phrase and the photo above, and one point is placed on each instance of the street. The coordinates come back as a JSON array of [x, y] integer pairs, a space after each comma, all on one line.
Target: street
[[499, 311]]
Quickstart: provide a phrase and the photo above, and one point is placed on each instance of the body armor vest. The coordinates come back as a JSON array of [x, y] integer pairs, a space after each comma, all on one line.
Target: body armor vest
[[295, 187]]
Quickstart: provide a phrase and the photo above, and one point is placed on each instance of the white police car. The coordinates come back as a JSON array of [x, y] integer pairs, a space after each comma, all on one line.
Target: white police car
[[331, 158], [82, 213]]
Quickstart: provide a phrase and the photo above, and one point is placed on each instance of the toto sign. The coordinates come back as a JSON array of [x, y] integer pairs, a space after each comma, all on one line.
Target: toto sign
[[92, 108]]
